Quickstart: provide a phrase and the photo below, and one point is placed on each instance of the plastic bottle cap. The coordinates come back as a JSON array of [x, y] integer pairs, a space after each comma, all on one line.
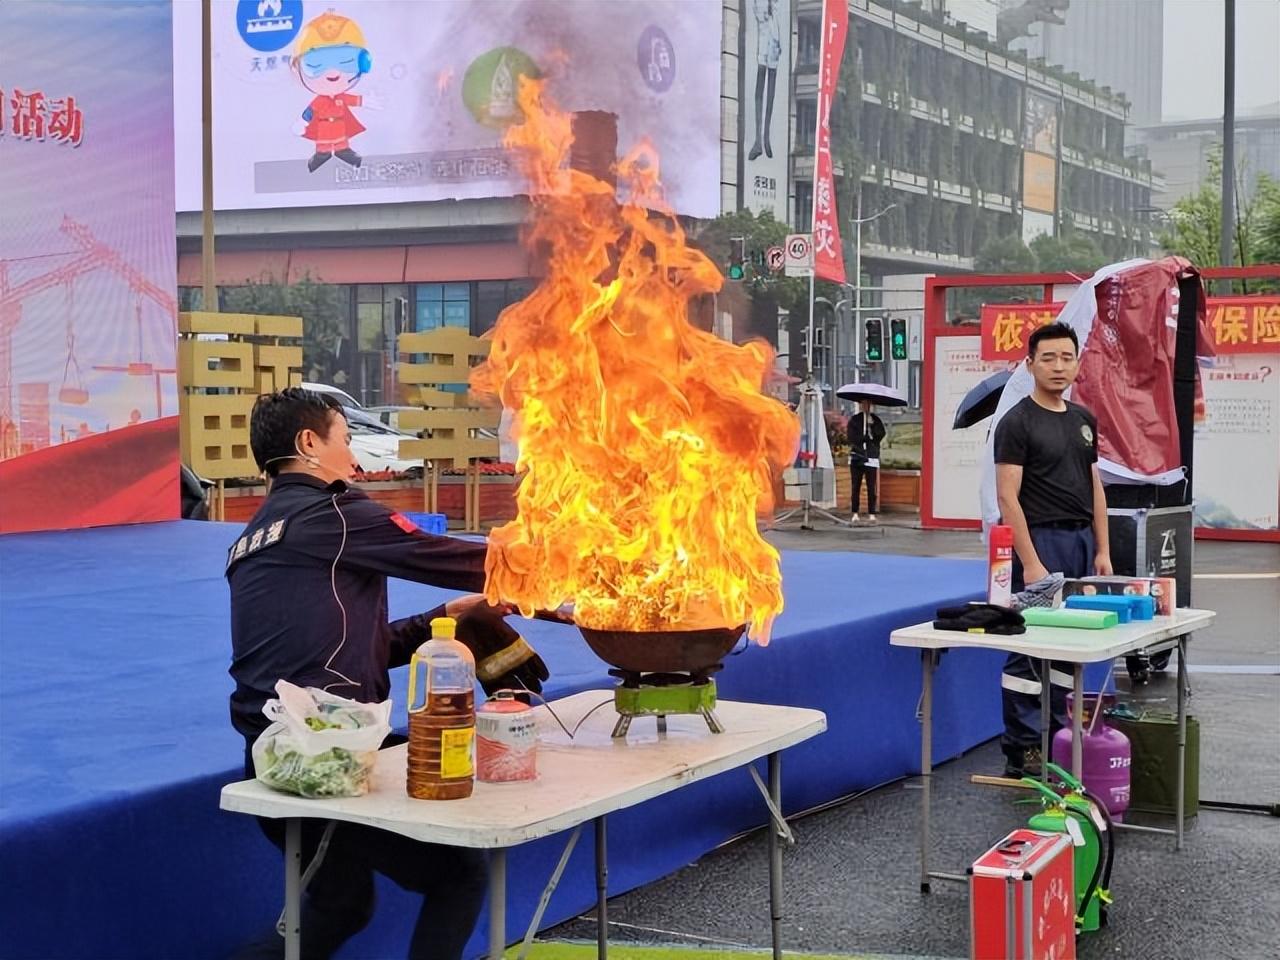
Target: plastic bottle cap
[[444, 628]]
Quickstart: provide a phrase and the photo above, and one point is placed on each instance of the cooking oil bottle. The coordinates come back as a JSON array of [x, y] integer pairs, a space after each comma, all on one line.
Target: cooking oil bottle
[[442, 724]]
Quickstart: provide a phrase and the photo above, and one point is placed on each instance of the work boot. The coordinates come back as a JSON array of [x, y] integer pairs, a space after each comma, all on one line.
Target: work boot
[[1027, 762]]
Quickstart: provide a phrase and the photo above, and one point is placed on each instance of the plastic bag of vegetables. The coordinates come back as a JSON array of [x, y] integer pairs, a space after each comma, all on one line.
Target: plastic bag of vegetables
[[319, 745]]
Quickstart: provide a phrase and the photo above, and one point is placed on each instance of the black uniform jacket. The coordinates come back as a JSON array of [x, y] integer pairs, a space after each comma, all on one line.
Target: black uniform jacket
[[308, 584]]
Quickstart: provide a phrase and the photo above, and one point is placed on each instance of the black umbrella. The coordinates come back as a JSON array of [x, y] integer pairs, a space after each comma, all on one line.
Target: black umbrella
[[981, 402], [872, 392]]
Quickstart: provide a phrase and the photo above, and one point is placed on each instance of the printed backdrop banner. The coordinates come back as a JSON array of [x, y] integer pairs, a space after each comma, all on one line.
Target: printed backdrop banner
[[1238, 325], [88, 265], [377, 101], [1237, 465]]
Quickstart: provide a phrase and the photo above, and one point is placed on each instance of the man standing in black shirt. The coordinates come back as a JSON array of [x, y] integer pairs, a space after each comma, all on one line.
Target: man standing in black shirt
[[1050, 493], [866, 430]]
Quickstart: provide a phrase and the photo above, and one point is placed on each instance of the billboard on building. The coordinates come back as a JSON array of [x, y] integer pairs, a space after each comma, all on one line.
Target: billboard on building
[[1039, 187], [1036, 224], [88, 266], [766, 93], [323, 102], [1040, 124]]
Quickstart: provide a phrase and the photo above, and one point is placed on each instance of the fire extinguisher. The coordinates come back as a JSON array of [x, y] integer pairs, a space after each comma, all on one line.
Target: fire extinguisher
[[1084, 817]]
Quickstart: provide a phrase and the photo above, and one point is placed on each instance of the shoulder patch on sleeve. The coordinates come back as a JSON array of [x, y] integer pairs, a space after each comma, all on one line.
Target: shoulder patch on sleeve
[[404, 523]]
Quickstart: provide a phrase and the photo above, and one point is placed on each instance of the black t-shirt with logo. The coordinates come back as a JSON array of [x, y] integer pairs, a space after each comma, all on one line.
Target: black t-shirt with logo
[[1056, 451]]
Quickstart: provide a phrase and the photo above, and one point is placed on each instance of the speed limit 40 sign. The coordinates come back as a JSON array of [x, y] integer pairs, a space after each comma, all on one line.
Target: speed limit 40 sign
[[798, 253]]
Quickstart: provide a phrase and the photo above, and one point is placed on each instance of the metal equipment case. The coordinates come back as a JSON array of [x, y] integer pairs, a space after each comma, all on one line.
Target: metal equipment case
[[1022, 899]]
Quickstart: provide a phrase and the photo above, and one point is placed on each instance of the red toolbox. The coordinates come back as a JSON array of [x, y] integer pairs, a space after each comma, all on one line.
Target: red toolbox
[[1022, 899]]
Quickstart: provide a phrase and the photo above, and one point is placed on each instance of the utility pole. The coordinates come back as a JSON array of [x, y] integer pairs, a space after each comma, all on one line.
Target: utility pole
[[858, 221], [208, 278], [1226, 258]]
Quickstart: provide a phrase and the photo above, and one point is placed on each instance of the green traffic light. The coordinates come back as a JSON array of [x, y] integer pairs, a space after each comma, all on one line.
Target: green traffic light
[[736, 272]]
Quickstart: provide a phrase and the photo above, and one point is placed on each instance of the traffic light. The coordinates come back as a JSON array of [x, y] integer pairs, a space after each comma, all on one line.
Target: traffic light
[[737, 258], [898, 338], [873, 340]]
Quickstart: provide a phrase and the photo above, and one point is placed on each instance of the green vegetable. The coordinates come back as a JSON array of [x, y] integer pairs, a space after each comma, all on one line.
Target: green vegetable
[[334, 773]]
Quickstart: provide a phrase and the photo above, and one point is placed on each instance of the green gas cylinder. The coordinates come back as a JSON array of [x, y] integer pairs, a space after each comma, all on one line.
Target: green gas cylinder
[[1070, 814]]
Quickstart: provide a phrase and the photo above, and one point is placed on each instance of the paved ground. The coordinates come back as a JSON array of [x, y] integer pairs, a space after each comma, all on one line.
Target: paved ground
[[852, 879]]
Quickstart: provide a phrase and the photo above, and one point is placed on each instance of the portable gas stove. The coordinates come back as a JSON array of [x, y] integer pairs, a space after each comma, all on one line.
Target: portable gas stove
[[663, 673], [662, 694]]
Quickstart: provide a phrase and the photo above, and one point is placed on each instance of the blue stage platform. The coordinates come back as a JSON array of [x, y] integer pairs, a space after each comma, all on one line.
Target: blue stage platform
[[115, 739]]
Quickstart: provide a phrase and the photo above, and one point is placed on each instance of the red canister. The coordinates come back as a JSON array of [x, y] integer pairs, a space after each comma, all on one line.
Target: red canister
[[506, 740]]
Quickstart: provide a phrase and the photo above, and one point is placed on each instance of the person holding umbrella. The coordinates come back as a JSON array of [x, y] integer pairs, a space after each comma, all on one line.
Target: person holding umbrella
[[866, 430]]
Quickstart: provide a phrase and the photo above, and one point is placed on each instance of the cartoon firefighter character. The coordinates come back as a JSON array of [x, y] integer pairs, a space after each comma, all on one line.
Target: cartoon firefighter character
[[330, 58]]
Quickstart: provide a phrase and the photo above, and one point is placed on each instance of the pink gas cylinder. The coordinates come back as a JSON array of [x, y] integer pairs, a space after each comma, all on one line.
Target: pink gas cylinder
[[1106, 756]]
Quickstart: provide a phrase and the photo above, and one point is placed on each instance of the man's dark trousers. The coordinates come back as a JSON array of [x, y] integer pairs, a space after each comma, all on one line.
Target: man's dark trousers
[[858, 470], [1067, 549], [339, 901]]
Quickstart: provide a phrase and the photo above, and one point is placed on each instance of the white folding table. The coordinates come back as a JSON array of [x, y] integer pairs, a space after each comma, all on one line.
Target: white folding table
[[1046, 644], [584, 779]]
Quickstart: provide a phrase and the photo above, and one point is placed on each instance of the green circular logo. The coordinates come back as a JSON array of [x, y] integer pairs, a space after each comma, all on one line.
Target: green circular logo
[[492, 83]]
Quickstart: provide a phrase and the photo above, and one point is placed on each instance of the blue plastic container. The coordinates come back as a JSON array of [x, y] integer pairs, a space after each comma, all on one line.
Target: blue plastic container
[[436, 523], [1126, 607]]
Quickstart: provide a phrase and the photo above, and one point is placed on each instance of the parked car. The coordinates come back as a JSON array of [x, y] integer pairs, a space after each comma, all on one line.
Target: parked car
[[389, 414], [344, 398], [194, 489], [377, 446]]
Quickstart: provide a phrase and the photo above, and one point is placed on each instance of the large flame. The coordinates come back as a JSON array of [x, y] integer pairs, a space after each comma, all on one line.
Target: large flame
[[649, 446]]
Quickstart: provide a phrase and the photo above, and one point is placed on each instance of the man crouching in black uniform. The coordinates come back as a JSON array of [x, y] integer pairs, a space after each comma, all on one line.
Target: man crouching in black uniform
[[308, 581]]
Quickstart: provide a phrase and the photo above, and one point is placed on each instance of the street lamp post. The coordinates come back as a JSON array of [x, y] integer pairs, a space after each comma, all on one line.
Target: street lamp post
[[858, 221], [832, 345]]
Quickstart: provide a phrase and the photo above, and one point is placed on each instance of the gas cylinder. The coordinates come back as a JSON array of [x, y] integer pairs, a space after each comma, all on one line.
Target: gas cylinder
[[1070, 814], [1106, 756], [506, 740]]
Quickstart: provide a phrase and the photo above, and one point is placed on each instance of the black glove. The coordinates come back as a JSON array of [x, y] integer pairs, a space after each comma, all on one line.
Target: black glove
[[504, 659]]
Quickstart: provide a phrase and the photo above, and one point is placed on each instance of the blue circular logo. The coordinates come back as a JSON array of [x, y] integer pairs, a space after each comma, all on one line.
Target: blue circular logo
[[656, 58], [268, 25]]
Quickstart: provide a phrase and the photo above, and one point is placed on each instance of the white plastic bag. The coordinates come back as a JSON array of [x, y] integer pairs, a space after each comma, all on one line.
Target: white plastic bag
[[319, 745]]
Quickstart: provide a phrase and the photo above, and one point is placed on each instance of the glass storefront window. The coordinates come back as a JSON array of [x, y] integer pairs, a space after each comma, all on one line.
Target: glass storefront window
[[442, 304], [494, 296]]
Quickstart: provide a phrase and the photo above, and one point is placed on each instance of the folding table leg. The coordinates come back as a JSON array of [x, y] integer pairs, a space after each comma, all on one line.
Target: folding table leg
[[602, 889], [927, 659], [775, 856], [1077, 722], [1180, 799], [547, 891], [293, 889], [497, 903], [1046, 718]]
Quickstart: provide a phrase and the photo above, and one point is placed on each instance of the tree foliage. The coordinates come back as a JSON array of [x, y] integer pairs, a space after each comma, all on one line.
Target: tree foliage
[[1072, 252], [759, 233], [1195, 223], [323, 308], [1007, 254]]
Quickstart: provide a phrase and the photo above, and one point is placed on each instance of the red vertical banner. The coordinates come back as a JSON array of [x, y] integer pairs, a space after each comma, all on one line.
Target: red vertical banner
[[828, 255]]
